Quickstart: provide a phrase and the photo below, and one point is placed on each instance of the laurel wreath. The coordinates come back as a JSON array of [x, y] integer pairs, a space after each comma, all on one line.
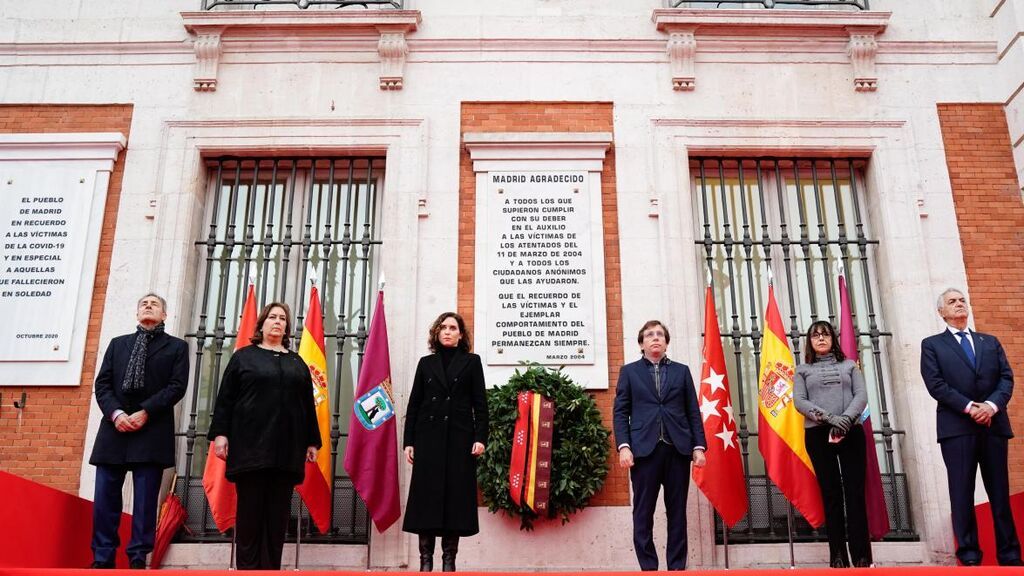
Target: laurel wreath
[[579, 459]]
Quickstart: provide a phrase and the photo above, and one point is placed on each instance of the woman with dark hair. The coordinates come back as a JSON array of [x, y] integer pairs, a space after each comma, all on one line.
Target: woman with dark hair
[[265, 414], [445, 430], [829, 391]]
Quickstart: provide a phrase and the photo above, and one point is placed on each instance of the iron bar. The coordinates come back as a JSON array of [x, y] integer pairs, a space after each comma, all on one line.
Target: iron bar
[[304, 4], [768, 4]]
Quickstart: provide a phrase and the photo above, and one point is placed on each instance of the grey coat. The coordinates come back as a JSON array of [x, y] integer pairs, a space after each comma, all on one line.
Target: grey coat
[[829, 386]]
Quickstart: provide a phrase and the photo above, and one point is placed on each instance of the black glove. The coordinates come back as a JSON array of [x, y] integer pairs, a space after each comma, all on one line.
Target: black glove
[[840, 423], [837, 433]]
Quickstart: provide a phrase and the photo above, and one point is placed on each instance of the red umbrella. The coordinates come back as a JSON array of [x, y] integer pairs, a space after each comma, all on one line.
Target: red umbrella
[[171, 519]]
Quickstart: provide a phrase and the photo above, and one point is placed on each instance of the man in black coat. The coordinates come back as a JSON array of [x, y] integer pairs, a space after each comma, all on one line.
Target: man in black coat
[[967, 372], [142, 377], [658, 431]]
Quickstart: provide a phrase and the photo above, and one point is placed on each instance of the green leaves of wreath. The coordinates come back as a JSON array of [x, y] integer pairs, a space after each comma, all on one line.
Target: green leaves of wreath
[[579, 458]]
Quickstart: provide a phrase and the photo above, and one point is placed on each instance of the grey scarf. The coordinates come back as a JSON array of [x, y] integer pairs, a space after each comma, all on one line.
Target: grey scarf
[[135, 375]]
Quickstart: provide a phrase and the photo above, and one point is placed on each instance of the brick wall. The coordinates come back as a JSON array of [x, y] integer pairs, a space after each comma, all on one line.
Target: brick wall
[[990, 216], [552, 117], [48, 448]]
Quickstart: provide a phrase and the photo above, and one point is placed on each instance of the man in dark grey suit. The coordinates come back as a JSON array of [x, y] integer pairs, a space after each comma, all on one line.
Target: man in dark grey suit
[[142, 377], [967, 372], [659, 431]]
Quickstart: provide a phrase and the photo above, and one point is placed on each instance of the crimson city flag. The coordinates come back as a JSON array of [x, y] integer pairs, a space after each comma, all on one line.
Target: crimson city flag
[[315, 489], [780, 428], [220, 493], [721, 479], [371, 458], [874, 497]]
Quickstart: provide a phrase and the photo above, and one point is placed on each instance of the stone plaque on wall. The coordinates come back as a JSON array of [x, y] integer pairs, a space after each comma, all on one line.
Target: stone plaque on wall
[[53, 190], [44, 218], [539, 274], [539, 280]]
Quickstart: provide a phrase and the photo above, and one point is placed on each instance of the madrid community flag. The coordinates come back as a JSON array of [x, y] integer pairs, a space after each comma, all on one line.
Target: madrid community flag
[[316, 486], [780, 430], [371, 458], [874, 498], [220, 493], [721, 478]]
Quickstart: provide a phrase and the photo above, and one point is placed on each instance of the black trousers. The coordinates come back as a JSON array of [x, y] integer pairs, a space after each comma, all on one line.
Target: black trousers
[[663, 467], [264, 508], [963, 455], [840, 469]]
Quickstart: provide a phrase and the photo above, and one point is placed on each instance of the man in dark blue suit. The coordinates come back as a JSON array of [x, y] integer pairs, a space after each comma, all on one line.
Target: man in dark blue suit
[[967, 372], [659, 431], [142, 377]]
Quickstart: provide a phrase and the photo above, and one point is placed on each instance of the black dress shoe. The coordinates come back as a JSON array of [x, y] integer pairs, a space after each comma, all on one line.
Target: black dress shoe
[[137, 564], [97, 565]]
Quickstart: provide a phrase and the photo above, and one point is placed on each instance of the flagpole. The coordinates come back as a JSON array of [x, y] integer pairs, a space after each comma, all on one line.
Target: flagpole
[[231, 559], [298, 536], [789, 533], [725, 539]]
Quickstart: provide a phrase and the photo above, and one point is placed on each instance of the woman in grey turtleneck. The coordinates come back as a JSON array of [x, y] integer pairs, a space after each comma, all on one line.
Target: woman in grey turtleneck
[[829, 391]]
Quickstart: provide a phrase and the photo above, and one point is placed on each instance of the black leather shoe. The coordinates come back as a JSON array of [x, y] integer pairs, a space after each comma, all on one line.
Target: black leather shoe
[[97, 565], [137, 564]]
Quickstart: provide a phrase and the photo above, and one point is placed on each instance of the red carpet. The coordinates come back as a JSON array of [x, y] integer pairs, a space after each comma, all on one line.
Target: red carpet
[[42, 528], [931, 571]]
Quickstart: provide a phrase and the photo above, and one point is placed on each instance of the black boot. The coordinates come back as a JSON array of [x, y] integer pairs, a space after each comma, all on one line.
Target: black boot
[[449, 548], [426, 553], [839, 560]]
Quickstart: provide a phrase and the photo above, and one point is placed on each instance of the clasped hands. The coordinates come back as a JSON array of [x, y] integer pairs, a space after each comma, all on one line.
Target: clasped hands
[[131, 422], [982, 413], [840, 423]]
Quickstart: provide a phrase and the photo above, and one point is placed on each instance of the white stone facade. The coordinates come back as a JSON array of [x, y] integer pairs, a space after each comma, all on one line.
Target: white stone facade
[[759, 80]]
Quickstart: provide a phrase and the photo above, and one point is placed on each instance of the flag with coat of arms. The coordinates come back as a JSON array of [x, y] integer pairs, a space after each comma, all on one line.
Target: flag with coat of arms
[[371, 458]]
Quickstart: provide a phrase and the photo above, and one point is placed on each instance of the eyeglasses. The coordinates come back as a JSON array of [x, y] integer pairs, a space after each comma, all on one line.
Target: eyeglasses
[[821, 336]]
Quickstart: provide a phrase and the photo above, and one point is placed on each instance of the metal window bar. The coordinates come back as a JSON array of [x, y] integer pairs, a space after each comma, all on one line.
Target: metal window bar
[[280, 222], [768, 4], [303, 4], [800, 217]]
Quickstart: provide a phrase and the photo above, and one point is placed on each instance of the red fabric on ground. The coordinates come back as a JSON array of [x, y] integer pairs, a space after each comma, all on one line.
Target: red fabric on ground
[[42, 527]]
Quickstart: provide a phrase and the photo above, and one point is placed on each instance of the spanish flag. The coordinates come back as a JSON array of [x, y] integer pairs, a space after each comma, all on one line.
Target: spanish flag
[[780, 433], [316, 486]]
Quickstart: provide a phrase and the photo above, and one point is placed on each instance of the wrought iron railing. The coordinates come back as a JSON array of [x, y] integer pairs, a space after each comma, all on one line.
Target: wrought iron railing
[[823, 4], [303, 4], [800, 219], [278, 222]]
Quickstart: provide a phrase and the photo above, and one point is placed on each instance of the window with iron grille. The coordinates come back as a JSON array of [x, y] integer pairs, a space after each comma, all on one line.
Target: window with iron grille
[[282, 223], [803, 220], [781, 4]]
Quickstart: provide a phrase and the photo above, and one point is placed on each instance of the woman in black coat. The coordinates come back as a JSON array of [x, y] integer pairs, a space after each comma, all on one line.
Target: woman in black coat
[[265, 414], [445, 430]]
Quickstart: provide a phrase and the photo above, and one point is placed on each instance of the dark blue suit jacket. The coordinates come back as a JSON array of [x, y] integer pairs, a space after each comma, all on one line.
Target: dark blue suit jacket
[[640, 413], [954, 381]]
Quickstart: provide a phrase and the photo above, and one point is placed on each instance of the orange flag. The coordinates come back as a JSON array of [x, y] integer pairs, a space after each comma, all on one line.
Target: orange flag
[[220, 493], [780, 432], [316, 486]]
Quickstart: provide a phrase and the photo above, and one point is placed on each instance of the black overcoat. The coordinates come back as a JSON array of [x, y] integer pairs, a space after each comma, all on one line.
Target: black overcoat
[[265, 409], [165, 382], [447, 413]]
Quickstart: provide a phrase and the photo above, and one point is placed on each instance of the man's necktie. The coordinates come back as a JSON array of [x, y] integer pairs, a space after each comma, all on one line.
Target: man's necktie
[[965, 343]]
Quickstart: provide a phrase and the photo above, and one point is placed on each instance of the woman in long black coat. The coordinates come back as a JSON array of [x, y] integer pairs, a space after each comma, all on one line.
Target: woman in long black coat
[[264, 425], [445, 430]]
